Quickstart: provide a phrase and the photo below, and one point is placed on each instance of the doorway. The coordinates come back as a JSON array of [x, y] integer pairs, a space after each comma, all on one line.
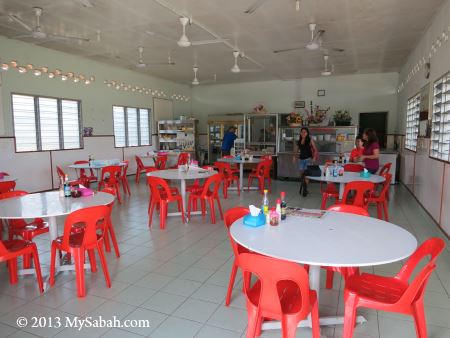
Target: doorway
[[377, 121]]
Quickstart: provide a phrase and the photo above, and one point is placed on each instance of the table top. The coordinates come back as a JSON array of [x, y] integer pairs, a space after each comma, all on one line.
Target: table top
[[234, 160], [175, 174], [7, 179], [48, 204], [347, 177], [95, 166], [335, 239]]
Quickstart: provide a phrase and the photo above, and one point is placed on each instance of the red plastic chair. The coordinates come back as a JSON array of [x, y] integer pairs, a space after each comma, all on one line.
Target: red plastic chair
[[281, 292], [124, 178], [62, 177], [353, 167], [329, 192], [23, 229], [161, 196], [228, 177], [234, 166], [209, 193], [345, 272], [262, 173], [110, 178], [182, 160], [140, 168], [82, 173], [360, 190], [394, 294], [7, 186], [160, 162], [10, 250], [380, 198], [78, 242], [231, 216], [107, 226], [386, 169]]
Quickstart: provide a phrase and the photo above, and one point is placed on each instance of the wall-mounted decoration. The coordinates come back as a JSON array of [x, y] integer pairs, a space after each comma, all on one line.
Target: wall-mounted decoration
[[299, 104], [321, 92]]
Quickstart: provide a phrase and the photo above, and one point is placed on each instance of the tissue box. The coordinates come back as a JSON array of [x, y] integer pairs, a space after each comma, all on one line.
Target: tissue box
[[365, 174], [255, 221]]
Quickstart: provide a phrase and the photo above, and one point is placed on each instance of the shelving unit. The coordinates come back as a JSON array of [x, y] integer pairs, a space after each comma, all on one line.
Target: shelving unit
[[177, 135]]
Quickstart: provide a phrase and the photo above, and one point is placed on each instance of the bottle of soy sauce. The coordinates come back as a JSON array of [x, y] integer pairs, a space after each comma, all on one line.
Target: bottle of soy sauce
[[283, 206]]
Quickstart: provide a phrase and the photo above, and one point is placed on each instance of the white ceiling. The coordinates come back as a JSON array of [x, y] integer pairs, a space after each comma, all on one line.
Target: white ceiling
[[377, 35]]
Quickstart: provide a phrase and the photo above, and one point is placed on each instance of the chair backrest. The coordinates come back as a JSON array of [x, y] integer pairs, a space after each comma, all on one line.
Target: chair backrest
[[155, 184], [88, 218], [353, 167], [7, 186], [266, 157], [386, 168], [82, 170], [212, 185], [231, 215], [360, 189], [227, 156], [61, 173], [350, 209], [161, 161], [386, 184], [270, 272], [125, 169], [112, 172], [267, 165], [183, 159], [139, 162], [224, 168], [430, 249]]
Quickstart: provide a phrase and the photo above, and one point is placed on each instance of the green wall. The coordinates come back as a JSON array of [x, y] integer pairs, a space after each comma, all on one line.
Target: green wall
[[97, 99]]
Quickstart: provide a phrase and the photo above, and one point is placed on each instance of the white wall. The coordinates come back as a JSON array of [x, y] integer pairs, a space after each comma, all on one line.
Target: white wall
[[356, 93], [428, 179]]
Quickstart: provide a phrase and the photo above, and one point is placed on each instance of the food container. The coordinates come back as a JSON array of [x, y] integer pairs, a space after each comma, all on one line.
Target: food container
[[327, 137], [319, 137]]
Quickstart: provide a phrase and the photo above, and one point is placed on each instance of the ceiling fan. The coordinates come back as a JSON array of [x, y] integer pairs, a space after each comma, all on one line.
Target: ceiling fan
[[142, 64], [85, 3], [327, 71], [258, 3], [237, 69], [195, 81], [36, 32], [315, 43], [184, 40]]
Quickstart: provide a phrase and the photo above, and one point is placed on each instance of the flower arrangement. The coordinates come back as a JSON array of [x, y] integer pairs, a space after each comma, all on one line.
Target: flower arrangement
[[316, 115], [342, 118], [294, 119], [259, 109]]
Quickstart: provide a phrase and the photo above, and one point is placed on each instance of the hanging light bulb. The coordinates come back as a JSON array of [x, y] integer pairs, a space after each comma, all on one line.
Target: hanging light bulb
[[5, 66], [64, 77], [109, 84], [76, 79], [29, 66], [37, 72], [13, 64], [21, 69], [44, 70], [87, 82], [82, 77], [92, 78], [58, 72], [297, 5], [51, 75]]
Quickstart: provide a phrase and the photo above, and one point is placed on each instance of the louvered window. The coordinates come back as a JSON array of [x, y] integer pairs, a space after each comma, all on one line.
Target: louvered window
[[440, 121], [43, 123], [131, 126], [412, 122]]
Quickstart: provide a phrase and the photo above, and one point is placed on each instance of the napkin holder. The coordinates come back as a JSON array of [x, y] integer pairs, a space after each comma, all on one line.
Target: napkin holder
[[255, 221], [86, 191], [364, 174]]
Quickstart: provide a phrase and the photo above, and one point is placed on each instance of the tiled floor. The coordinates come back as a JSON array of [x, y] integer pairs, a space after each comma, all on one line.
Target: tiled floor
[[177, 279]]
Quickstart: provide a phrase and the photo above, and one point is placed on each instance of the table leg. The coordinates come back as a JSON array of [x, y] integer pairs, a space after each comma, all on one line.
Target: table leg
[[183, 198], [241, 175], [314, 284], [341, 190]]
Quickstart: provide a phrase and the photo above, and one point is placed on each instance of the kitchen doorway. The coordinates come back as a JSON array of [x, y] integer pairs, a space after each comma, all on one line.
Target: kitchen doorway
[[377, 121]]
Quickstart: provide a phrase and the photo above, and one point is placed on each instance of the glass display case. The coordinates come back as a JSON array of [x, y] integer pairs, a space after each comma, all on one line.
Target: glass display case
[[261, 133], [330, 141], [217, 126]]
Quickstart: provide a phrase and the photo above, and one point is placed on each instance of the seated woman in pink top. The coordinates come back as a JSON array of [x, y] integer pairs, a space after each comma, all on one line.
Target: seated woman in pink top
[[371, 153]]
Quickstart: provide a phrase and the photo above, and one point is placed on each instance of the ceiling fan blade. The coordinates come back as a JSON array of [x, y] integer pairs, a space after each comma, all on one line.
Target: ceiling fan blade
[[287, 50], [250, 70], [318, 35], [22, 36], [68, 37], [207, 42], [85, 3], [20, 22], [338, 50], [254, 6], [161, 64]]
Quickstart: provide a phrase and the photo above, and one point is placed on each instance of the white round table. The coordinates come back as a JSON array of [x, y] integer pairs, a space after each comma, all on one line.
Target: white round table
[[241, 169], [8, 179], [49, 205], [175, 174], [335, 239], [96, 166], [346, 178]]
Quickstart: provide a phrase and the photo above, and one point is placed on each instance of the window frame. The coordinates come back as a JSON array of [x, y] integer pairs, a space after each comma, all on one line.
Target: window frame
[[445, 77], [138, 118], [38, 122], [416, 96]]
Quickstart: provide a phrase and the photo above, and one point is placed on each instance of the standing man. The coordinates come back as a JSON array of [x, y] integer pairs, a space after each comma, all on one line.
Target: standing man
[[228, 140]]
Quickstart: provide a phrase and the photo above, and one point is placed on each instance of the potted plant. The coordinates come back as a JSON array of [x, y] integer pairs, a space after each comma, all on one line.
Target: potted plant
[[294, 119], [342, 118]]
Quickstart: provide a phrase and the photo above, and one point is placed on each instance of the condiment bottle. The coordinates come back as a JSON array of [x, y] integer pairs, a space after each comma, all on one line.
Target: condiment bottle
[[274, 217], [265, 203], [278, 209], [283, 206]]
